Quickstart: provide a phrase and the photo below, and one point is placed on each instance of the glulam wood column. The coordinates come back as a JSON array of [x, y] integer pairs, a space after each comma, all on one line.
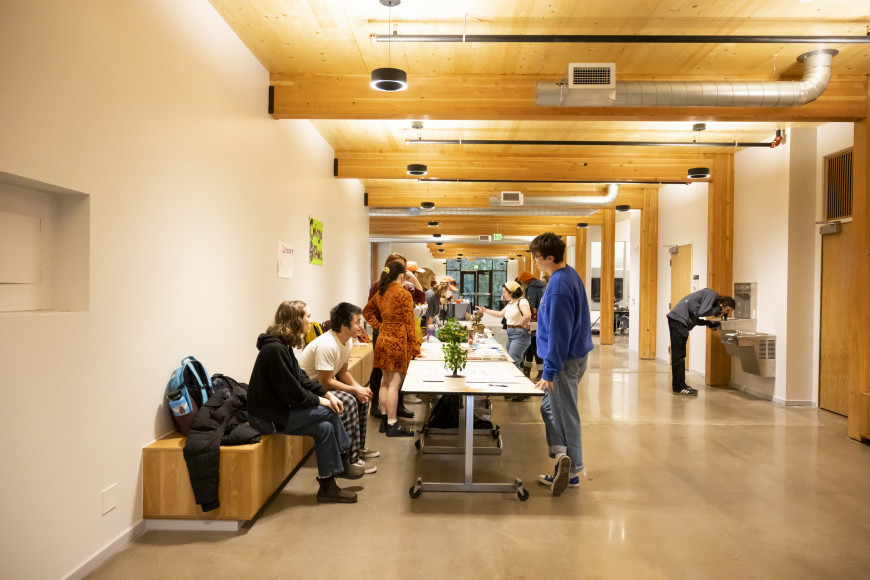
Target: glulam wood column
[[649, 259], [608, 251], [859, 359], [720, 259], [580, 254]]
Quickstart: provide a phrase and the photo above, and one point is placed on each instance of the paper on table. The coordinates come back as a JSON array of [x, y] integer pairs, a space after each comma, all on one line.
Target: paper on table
[[474, 375]]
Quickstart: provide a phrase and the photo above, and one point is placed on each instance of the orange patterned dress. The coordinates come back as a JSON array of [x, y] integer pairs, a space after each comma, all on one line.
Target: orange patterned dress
[[397, 339]]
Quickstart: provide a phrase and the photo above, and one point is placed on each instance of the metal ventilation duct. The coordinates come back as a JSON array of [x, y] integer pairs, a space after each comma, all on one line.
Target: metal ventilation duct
[[562, 205], [817, 74]]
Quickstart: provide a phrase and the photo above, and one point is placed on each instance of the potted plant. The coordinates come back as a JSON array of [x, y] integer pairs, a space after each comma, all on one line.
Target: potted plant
[[452, 335]]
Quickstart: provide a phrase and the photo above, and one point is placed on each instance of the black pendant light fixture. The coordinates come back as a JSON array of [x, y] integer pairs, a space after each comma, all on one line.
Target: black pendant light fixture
[[433, 224], [389, 79], [582, 225], [699, 172], [623, 207], [436, 235], [427, 204], [417, 168]]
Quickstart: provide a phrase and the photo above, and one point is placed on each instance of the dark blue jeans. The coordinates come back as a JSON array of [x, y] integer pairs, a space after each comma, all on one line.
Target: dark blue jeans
[[324, 426]]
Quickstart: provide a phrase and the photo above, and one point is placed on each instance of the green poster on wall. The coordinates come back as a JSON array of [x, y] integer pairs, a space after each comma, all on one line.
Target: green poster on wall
[[315, 242]]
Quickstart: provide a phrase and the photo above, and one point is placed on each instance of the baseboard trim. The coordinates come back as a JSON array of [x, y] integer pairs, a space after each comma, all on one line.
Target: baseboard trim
[[194, 525], [108, 551], [793, 402]]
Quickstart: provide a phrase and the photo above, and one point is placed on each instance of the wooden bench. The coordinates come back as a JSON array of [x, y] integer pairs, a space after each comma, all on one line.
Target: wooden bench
[[249, 474]]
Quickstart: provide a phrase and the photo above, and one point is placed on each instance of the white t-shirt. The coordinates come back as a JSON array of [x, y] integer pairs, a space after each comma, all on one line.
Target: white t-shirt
[[512, 311], [325, 353]]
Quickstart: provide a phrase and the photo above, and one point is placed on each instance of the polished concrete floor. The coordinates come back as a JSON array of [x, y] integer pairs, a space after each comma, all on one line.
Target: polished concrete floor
[[722, 486]]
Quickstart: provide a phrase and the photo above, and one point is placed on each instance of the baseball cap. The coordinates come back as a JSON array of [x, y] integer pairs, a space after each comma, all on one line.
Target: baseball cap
[[449, 281], [526, 277]]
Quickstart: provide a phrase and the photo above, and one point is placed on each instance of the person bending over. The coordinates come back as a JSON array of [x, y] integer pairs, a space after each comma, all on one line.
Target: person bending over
[[325, 360], [282, 398], [686, 315]]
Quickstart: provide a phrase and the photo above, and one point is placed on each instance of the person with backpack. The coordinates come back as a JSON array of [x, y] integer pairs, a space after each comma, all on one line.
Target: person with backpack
[[534, 290], [325, 360], [281, 398]]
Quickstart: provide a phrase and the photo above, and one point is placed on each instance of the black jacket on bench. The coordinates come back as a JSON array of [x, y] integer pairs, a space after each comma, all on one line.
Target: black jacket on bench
[[221, 421]]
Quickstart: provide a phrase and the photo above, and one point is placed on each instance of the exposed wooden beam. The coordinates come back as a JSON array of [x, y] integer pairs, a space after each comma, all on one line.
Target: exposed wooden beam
[[720, 259], [512, 97], [521, 167]]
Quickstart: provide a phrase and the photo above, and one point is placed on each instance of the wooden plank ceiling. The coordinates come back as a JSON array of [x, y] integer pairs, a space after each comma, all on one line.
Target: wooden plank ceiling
[[319, 54]]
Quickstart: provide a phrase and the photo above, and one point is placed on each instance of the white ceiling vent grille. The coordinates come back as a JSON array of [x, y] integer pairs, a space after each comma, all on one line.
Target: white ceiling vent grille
[[484, 238], [511, 198], [591, 75]]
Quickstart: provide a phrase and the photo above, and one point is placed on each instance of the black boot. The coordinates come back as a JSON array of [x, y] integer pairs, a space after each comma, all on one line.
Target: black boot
[[402, 411], [329, 492], [376, 410], [383, 428]]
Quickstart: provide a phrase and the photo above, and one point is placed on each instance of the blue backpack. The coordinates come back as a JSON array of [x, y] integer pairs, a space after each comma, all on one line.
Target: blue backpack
[[188, 389]]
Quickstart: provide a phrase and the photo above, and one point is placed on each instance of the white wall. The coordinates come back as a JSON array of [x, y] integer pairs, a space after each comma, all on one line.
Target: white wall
[[682, 220], [157, 110]]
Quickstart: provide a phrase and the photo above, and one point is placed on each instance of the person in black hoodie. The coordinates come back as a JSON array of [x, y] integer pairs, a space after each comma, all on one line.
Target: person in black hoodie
[[282, 398]]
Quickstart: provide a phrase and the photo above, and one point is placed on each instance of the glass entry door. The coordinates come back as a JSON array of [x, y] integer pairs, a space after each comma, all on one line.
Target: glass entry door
[[476, 287]]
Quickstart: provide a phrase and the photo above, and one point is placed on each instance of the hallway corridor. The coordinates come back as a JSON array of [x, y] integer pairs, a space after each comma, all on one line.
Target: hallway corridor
[[718, 486]]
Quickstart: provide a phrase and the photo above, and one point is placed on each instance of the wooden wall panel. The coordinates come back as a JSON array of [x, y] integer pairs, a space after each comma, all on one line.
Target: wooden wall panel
[[720, 259], [580, 255]]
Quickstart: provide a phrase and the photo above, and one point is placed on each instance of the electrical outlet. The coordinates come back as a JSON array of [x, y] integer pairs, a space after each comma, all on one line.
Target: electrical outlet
[[110, 498]]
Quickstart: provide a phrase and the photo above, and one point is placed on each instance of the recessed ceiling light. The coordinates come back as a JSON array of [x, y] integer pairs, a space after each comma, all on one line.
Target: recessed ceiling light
[[433, 224], [623, 207], [439, 243], [436, 235], [427, 204], [417, 169], [582, 225]]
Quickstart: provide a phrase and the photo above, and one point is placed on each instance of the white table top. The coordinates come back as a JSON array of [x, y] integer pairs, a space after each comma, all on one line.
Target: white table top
[[482, 378]]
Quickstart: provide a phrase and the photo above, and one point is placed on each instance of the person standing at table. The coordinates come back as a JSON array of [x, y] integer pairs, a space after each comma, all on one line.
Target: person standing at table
[[518, 314], [564, 343], [686, 315], [397, 342], [533, 289], [412, 285]]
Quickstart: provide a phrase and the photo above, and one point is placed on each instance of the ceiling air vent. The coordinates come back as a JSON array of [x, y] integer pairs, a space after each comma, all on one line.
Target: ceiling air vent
[[591, 75], [511, 198], [484, 238]]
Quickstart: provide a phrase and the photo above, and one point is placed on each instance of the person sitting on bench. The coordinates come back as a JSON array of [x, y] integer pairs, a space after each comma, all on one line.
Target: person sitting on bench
[[325, 360], [282, 398]]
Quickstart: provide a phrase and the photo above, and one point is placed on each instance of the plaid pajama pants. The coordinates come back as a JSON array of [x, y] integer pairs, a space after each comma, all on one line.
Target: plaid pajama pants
[[355, 419]]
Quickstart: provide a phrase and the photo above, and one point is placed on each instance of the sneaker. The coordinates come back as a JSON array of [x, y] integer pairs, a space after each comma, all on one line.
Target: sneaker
[[368, 467], [351, 470], [548, 480], [562, 475], [412, 399], [396, 430], [367, 453], [688, 391]]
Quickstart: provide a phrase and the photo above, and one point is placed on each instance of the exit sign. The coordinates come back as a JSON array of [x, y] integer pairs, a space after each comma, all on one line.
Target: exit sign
[[496, 237]]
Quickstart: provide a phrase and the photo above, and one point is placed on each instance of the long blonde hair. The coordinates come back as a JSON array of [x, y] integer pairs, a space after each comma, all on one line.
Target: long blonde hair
[[288, 323]]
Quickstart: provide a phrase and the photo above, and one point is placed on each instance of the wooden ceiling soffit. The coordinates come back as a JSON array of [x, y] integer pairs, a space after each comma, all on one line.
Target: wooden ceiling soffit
[[512, 97], [519, 167]]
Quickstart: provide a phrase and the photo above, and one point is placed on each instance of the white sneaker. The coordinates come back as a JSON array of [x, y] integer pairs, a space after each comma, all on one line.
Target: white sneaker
[[412, 399], [368, 467], [367, 453]]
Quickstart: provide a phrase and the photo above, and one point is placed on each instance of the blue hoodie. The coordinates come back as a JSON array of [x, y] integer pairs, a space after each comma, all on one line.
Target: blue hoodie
[[564, 322]]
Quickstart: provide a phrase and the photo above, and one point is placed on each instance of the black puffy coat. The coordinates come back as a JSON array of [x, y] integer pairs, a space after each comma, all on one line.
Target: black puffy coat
[[221, 421]]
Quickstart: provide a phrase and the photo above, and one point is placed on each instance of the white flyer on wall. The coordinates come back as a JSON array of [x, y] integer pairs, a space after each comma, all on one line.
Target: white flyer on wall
[[285, 260]]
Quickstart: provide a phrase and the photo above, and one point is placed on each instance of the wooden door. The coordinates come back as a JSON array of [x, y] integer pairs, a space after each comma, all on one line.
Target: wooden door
[[834, 344], [681, 280]]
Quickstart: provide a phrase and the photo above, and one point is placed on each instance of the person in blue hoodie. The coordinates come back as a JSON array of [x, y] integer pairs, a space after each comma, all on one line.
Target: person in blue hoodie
[[564, 342]]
